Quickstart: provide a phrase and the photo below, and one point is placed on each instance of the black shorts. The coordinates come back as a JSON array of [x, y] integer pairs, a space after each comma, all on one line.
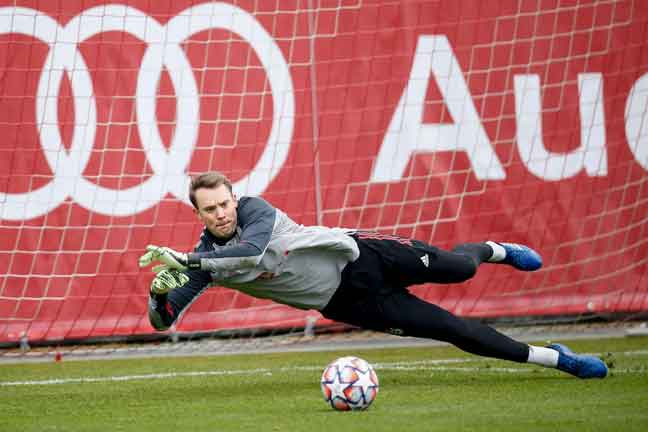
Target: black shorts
[[388, 265], [373, 294]]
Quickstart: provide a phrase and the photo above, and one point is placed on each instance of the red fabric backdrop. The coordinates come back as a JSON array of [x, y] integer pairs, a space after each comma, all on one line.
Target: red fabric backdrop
[[418, 118]]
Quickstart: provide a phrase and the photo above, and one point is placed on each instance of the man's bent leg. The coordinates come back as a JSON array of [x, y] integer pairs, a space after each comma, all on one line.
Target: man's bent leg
[[410, 262]]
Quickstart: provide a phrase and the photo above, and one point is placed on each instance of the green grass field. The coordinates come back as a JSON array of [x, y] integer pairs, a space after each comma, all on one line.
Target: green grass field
[[421, 389]]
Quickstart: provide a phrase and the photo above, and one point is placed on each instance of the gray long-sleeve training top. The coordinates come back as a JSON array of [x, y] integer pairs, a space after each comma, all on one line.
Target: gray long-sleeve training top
[[269, 256]]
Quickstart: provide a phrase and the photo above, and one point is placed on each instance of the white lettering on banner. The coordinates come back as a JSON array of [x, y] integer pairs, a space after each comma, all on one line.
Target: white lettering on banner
[[407, 134], [591, 153], [636, 121], [163, 51]]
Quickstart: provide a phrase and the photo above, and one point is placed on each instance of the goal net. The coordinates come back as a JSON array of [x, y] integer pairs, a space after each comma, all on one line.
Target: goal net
[[445, 121]]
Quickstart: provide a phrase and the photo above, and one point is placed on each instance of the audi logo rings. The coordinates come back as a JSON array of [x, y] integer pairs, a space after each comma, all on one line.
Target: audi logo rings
[[163, 51]]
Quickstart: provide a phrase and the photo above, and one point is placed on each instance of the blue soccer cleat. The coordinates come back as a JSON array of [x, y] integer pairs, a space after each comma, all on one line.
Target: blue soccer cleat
[[521, 257], [582, 366]]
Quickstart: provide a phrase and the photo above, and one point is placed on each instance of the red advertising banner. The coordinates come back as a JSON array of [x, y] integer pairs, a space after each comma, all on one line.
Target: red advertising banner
[[445, 121]]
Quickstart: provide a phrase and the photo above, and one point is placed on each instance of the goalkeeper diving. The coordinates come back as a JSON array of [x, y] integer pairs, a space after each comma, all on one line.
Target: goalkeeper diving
[[355, 277]]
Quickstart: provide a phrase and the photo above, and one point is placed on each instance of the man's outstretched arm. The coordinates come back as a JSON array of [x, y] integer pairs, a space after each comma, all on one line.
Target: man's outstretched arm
[[171, 292], [256, 219]]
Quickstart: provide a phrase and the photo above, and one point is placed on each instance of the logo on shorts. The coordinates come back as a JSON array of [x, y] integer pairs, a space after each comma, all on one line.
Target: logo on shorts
[[426, 260]]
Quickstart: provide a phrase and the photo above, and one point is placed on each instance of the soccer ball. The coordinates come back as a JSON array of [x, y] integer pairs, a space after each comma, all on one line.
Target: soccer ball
[[349, 383]]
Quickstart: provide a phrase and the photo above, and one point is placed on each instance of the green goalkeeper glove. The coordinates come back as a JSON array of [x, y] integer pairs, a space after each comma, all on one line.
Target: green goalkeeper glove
[[167, 256], [168, 279]]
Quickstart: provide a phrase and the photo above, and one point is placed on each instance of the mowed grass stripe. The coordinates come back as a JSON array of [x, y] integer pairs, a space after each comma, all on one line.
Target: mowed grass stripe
[[421, 389], [429, 365]]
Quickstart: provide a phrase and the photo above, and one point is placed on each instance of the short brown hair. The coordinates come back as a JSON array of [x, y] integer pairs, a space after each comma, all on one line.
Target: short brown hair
[[208, 180]]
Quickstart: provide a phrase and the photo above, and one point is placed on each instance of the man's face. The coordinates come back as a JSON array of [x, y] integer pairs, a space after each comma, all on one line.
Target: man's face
[[217, 210]]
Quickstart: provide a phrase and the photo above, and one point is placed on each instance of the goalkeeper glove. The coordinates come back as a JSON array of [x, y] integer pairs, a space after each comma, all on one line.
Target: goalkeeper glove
[[167, 256], [168, 279]]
